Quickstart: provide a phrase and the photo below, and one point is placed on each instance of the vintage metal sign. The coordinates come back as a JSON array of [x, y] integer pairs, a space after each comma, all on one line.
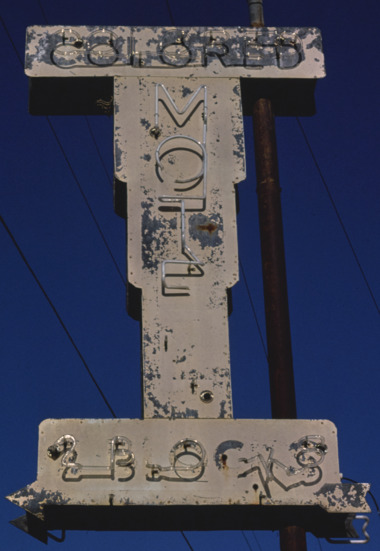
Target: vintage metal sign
[[179, 152], [256, 465], [186, 51]]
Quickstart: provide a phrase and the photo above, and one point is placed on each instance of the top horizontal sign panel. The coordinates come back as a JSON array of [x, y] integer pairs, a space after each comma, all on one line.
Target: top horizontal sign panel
[[267, 52]]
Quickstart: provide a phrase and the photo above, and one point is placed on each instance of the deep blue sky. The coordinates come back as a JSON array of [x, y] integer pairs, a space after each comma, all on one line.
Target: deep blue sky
[[335, 325]]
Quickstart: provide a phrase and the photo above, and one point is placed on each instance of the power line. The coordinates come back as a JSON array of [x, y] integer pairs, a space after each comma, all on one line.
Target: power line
[[246, 539], [11, 41], [170, 12], [76, 180], [187, 541], [42, 11], [98, 151], [86, 118], [30, 268], [57, 315], [253, 308], [319, 543], [256, 540], [324, 182]]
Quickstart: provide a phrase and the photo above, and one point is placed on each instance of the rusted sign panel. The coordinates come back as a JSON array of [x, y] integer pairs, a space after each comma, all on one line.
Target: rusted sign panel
[[120, 463], [179, 147], [185, 51]]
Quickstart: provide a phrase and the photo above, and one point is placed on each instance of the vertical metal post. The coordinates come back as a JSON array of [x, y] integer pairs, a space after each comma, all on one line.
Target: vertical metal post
[[273, 263], [256, 13], [280, 360]]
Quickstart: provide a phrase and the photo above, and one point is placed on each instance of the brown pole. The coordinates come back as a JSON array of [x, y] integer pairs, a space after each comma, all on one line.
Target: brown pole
[[280, 359]]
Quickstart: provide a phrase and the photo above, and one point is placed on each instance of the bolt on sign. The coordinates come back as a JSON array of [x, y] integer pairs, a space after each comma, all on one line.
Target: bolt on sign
[[179, 153]]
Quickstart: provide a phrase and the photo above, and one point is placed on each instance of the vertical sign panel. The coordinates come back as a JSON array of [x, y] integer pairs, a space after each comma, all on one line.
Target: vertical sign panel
[[179, 147]]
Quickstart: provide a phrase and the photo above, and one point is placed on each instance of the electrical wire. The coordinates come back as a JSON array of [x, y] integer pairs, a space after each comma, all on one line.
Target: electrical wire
[[98, 151], [73, 173], [76, 180], [256, 540], [319, 543], [50, 302], [86, 366], [253, 309], [85, 117], [11, 41], [42, 11], [324, 182], [170, 12], [187, 541], [246, 539]]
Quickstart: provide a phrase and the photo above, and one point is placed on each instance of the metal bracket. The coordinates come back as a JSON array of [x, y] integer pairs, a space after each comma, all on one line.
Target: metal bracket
[[56, 538], [351, 528]]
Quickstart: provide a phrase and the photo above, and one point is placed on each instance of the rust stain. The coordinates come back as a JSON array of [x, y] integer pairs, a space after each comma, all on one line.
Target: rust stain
[[210, 227], [223, 460]]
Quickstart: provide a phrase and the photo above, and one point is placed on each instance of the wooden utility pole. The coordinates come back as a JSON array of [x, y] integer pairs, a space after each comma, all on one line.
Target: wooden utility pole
[[280, 360]]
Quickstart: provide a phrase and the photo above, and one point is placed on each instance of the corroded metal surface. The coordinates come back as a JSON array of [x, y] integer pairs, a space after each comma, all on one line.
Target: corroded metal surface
[[115, 463], [179, 147], [186, 51]]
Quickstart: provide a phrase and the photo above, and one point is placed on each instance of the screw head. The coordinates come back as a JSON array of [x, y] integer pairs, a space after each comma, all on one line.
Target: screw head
[[206, 396], [155, 132]]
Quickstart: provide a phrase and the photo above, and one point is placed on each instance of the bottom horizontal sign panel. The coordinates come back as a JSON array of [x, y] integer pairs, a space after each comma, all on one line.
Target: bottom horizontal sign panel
[[112, 470]]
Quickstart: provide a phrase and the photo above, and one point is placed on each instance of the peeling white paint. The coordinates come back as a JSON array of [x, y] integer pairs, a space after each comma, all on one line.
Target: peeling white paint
[[183, 51]]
